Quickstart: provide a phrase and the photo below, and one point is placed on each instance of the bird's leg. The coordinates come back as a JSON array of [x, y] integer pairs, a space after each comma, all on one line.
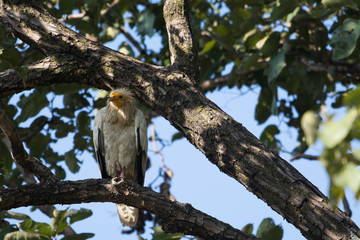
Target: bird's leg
[[120, 170]]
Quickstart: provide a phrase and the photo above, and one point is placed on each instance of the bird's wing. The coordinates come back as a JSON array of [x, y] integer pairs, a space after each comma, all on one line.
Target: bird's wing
[[141, 146], [99, 144]]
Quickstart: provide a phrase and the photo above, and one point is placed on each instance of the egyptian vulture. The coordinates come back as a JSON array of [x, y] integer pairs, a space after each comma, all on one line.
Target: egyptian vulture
[[120, 142]]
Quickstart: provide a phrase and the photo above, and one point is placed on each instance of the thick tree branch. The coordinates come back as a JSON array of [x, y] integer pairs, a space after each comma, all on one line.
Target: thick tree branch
[[172, 93], [18, 152], [50, 70], [177, 217], [181, 43]]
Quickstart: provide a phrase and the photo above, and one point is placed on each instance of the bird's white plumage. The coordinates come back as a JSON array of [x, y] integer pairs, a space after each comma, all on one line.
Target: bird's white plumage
[[123, 139]]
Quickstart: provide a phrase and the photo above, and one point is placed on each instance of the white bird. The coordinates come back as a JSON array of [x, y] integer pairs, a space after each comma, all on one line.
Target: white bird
[[120, 142]]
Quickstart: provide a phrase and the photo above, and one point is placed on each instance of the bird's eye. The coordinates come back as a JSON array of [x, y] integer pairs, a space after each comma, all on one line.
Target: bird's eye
[[120, 96]]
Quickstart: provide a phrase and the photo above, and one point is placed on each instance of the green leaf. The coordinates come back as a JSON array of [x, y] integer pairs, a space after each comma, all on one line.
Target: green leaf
[[271, 45], [159, 234], [356, 154], [25, 236], [268, 136], [339, 3], [32, 105], [66, 6], [349, 176], [208, 46], [60, 172], [345, 38], [81, 142], [177, 136], [145, 24], [291, 15], [83, 122], [11, 56], [126, 49], [248, 228], [66, 112], [71, 161], [263, 106], [58, 222], [63, 130], [336, 193], [28, 225], [334, 133], [77, 215], [80, 236], [14, 215], [40, 121], [269, 231], [310, 124], [282, 10], [352, 99], [276, 65], [38, 144]]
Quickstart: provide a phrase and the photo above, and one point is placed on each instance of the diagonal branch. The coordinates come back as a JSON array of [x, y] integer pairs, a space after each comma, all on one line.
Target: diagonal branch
[[18, 152], [177, 217]]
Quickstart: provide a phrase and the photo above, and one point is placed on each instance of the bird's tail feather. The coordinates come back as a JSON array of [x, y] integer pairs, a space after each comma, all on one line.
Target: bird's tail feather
[[128, 215]]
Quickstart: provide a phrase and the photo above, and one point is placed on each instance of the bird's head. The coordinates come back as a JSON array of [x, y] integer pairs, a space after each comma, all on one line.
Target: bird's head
[[121, 97]]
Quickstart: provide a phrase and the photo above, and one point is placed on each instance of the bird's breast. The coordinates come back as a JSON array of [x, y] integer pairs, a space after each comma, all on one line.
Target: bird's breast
[[120, 145]]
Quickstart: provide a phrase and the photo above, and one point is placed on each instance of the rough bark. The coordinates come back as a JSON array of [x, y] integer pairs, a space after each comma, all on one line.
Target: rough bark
[[176, 217], [173, 93], [183, 52]]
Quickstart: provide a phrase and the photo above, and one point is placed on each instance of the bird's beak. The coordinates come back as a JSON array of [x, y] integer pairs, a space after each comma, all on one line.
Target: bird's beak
[[110, 99]]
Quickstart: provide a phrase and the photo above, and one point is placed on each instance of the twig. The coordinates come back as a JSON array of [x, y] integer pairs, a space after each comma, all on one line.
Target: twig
[[132, 40], [110, 6], [346, 206], [153, 139], [297, 156]]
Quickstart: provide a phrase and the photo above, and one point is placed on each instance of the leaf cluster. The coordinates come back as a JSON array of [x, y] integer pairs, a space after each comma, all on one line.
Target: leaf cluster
[[28, 229], [340, 138]]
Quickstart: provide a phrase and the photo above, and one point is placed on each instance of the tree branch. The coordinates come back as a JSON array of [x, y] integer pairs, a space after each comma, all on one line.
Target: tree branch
[[177, 217], [181, 44], [132, 40], [50, 70], [214, 82], [172, 92], [18, 153], [297, 156]]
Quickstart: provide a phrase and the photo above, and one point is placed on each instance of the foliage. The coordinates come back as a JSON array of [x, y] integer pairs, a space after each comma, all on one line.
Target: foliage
[[307, 48], [341, 150], [267, 230], [29, 229]]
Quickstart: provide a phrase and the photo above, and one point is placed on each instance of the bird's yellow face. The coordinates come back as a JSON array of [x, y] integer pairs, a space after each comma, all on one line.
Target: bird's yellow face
[[117, 98]]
